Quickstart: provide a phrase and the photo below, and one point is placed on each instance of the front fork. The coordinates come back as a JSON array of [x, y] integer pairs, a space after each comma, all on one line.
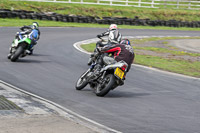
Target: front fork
[[13, 45], [85, 74], [12, 49]]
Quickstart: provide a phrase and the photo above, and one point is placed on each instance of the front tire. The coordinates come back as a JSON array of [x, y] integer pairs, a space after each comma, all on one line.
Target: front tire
[[9, 55], [82, 81], [17, 53], [102, 89]]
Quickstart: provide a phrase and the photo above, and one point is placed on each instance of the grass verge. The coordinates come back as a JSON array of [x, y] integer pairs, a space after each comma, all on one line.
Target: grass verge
[[7, 22], [144, 40], [173, 64], [164, 50]]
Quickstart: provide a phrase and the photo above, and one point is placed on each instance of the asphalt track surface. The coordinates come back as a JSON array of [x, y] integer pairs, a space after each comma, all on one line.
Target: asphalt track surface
[[149, 102]]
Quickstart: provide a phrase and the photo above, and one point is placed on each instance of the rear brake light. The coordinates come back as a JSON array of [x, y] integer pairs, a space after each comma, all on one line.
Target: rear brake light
[[123, 67]]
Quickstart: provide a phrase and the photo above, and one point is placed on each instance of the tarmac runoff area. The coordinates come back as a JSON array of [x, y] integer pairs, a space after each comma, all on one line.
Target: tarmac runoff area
[[24, 113], [187, 44]]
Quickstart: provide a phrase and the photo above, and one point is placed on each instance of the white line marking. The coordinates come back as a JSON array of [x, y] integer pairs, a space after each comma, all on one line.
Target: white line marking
[[68, 113]]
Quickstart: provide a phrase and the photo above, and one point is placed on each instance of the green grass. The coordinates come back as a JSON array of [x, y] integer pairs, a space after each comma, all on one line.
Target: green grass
[[172, 65], [143, 40], [163, 50], [16, 22], [43, 23], [89, 47], [103, 11]]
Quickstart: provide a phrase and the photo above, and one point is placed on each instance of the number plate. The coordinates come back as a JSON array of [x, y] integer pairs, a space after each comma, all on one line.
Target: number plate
[[119, 73]]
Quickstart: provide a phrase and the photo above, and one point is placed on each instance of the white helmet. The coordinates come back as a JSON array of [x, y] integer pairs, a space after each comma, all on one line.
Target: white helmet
[[113, 27]]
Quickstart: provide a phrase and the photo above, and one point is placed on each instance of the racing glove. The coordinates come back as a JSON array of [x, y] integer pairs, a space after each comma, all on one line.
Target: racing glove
[[99, 36]]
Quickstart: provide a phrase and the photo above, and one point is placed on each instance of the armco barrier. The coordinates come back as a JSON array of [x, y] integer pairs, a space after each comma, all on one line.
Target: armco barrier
[[5, 13]]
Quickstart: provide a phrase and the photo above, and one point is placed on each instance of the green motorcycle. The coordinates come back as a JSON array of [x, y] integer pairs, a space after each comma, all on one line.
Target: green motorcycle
[[19, 46]]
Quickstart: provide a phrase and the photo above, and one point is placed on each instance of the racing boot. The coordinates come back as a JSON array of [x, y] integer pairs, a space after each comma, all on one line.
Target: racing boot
[[91, 59]]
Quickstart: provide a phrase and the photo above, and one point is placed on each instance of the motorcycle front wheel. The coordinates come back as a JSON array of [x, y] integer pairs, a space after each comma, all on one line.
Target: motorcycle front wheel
[[17, 53], [103, 88], [82, 82]]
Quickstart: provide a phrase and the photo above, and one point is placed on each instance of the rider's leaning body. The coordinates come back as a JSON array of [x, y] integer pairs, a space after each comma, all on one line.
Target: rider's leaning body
[[32, 31], [122, 51], [33, 34], [114, 37]]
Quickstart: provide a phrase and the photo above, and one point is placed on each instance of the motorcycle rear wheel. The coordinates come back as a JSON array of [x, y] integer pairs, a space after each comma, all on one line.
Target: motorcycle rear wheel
[[103, 89], [17, 53]]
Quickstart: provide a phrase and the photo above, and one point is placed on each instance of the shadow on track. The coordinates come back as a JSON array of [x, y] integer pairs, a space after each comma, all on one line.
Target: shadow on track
[[121, 94], [39, 55], [30, 61], [118, 94]]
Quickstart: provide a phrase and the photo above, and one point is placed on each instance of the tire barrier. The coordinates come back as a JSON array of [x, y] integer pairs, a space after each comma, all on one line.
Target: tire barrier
[[22, 14]]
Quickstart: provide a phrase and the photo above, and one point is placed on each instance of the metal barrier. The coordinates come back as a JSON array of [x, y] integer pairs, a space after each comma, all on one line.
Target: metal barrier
[[175, 4]]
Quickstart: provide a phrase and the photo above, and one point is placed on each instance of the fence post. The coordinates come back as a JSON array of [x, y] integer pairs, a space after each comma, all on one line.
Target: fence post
[[139, 3], [152, 4], [189, 6], [165, 4], [127, 2], [177, 4], [98, 1], [110, 2], [70, 1]]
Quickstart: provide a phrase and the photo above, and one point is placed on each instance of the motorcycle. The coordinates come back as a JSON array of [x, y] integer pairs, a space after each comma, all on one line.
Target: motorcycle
[[110, 76], [19, 47]]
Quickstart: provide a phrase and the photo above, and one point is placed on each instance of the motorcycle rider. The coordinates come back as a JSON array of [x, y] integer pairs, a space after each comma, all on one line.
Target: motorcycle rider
[[122, 51], [33, 33], [114, 37]]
